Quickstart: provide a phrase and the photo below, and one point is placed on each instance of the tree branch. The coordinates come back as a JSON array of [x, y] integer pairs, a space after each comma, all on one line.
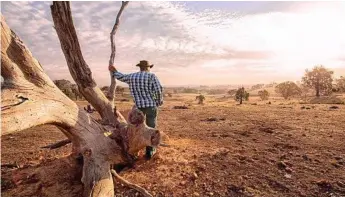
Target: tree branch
[[58, 144], [112, 88], [143, 191], [78, 68]]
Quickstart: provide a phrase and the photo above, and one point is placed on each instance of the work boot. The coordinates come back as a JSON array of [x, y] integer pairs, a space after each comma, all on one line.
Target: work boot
[[150, 151]]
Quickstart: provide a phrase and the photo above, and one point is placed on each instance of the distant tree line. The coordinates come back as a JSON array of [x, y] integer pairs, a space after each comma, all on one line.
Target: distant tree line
[[318, 81], [119, 90], [69, 89]]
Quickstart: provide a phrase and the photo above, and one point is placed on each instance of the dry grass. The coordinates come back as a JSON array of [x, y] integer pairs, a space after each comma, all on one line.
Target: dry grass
[[217, 149]]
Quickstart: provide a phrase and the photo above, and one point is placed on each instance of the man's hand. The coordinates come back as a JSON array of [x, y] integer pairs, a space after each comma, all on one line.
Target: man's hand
[[112, 68]]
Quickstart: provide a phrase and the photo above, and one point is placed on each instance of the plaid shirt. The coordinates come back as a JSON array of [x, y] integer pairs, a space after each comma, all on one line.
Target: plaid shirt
[[145, 88]]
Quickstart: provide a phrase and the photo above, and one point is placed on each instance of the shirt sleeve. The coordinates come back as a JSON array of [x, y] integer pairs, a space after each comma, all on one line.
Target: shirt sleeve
[[121, 77], [157, 90]]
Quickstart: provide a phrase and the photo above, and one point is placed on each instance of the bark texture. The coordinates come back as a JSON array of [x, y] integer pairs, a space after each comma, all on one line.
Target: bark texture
[[78, 68], [112, 87]]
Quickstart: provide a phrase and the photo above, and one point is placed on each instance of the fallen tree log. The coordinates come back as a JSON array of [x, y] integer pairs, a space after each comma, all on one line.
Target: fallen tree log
[[44, 103]]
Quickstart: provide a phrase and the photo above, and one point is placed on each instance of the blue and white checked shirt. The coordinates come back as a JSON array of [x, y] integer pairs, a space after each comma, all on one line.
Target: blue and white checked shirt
[[144, 86]]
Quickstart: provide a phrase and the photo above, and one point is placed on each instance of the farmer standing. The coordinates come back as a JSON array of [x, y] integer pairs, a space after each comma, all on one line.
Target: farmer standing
[[147, 93]]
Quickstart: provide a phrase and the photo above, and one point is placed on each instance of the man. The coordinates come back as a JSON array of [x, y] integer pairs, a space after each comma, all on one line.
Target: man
[[146, 91]]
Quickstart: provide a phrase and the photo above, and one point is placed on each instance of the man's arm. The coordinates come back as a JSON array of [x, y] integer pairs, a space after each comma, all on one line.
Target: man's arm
[[119, 76], [157, 91]]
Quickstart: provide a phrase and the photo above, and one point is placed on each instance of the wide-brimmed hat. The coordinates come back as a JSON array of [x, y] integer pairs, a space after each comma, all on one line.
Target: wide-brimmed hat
[[144, 63]]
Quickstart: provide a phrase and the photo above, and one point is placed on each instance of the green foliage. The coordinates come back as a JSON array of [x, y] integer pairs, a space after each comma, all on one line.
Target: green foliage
[[288, 89], [241, 95], [69, 89], [320, 79], [200, 99], [232, 92], [264, 94]]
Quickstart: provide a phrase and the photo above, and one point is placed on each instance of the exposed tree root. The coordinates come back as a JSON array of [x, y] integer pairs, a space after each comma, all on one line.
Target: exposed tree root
[[67, 141], [58, 144], [10, 165], [143, 191]]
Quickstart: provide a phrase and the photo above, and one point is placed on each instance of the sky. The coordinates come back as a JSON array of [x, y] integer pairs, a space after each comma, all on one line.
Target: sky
[[192, 43]]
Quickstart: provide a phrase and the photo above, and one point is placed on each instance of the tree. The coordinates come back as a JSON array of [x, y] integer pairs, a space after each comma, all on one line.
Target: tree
[[264, 94], [288, 89], [241, 94], [105, 89], [270, 85], [66, 87], [76, 92], [200, 99], [340, 84], [320, 79], [31, 98], [71, 90], [257, 86], [305, 91], [232, 92], [120, 90]]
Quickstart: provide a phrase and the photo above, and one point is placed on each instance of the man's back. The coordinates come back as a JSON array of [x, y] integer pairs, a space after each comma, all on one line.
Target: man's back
[[144, 87]]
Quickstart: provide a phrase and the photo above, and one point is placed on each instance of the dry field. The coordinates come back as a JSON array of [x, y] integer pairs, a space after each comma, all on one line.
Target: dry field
[[216, 149]]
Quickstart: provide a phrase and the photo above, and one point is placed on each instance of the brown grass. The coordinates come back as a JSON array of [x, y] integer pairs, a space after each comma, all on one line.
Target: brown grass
[[246, 150]]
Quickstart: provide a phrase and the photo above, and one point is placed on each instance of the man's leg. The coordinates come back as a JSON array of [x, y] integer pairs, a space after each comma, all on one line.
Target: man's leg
[[151, 118]]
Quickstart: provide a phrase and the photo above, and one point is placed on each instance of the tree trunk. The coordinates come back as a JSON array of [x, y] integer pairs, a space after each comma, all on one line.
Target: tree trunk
[[317, 88], [112, 87], [78, 68], [30, 98]]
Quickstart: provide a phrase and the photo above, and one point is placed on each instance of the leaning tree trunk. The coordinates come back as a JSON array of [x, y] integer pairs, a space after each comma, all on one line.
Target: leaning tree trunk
[[30, 98], [112, 87]]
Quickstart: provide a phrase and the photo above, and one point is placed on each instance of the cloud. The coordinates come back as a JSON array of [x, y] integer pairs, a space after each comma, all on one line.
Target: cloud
[[207, 42]]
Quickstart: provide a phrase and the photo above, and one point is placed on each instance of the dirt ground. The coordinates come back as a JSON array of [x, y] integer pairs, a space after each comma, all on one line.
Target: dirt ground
[[216, 149]]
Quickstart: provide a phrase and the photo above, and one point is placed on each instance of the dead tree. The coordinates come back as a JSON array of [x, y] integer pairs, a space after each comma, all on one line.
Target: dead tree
[[112, 88], [30, 98]]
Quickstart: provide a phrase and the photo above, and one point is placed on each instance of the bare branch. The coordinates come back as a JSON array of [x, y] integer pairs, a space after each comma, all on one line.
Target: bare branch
[[143, 191], [58, 144], [113, 32], [112, 88]]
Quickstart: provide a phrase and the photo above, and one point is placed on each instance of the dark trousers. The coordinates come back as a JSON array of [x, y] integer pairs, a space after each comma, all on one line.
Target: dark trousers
[[151, 119], [151, 116]]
